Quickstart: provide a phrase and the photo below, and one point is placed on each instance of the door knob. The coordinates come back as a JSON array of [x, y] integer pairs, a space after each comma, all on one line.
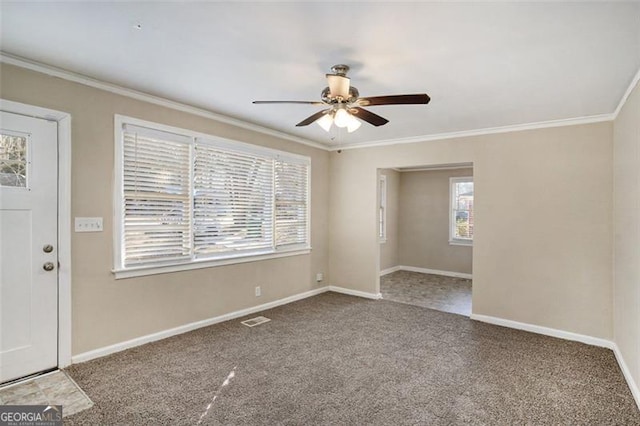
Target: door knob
[[48, 266], [48, 248]]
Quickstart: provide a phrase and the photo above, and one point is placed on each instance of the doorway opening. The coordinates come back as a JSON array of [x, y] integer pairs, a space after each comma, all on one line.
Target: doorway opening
[[425, 231]]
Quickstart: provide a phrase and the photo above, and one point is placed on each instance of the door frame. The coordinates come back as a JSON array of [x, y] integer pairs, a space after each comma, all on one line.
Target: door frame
[[64, 217]]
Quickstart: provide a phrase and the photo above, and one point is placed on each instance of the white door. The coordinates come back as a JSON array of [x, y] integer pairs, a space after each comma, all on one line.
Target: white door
[[28, 240]]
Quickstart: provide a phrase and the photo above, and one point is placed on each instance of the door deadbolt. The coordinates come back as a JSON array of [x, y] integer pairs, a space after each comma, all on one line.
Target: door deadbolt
[[48, 266], [48, 248]]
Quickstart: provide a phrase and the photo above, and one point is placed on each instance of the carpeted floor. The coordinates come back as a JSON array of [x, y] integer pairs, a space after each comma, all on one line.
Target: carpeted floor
[[448, 294], [335, 359]]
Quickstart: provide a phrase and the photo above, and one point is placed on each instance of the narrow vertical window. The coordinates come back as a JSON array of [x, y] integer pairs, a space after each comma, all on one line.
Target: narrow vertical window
[[156, 197], [382, 209], [291, 203], [461, 213]]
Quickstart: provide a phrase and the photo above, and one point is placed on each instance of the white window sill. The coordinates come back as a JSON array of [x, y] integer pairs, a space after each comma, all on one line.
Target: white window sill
[[461, 242], [140, 271]]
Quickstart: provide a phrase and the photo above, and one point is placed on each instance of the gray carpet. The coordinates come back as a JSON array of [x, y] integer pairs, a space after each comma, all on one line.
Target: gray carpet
[[335, 359]]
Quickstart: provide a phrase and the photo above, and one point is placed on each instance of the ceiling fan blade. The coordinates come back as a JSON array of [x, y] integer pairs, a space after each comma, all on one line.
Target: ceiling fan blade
[[368, 116], [338, 85], [420, 98], [312, 118], [290, 102]]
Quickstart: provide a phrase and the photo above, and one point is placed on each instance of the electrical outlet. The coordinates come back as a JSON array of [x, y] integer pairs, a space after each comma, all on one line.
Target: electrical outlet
[[258, 291], [88, 224], [319, 276]]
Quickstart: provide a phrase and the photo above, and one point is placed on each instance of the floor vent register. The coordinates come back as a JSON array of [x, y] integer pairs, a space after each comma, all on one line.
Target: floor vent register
[[255, 321]]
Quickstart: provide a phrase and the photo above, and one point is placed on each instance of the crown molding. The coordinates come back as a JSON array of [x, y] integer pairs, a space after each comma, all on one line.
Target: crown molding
[[156, 100], [18, 61], [626, 95], [439, 167], [480, 132]]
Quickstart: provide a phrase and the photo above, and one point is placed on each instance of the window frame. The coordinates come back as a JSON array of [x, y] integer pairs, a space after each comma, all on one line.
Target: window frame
[[382, 209], [453, 240], [120, 271]]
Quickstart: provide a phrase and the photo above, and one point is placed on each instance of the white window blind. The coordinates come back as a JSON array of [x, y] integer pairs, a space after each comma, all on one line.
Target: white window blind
[[156, 196], [233, 201], [185, 198], [291, 198]]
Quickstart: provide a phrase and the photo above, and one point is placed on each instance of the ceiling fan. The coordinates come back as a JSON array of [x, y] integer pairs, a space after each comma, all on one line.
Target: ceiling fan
[[345, 104]]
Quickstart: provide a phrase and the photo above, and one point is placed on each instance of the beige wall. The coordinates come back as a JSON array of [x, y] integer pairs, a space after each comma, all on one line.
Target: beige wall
[[107, 311], [626, 315], [424, 222], [543, 237], [543, 231], [389, 249]]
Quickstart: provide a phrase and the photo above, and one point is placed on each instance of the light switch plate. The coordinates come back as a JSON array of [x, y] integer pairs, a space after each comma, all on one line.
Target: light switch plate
[[88, 224]]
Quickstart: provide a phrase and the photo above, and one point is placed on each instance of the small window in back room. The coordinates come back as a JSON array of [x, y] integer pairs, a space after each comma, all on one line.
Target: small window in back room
[[461, 212], [382, 209]]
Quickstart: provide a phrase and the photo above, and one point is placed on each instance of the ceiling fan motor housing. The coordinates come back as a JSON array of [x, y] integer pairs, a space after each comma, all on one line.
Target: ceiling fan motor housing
[[354, 94]]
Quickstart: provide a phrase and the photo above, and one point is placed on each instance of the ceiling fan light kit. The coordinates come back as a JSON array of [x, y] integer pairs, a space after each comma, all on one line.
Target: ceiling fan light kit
[[345, 103], [325, 122]]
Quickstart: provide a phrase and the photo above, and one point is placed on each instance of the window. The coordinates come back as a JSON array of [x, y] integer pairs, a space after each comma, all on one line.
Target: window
[[13, 160], [188, 200], [461, 214], [382, 209]]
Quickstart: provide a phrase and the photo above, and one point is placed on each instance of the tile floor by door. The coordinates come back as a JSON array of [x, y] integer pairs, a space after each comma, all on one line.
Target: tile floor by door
[[54, 388], [448, 294]]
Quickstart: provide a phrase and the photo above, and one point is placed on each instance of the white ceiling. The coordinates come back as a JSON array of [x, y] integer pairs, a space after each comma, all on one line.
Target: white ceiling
[[484, 64]]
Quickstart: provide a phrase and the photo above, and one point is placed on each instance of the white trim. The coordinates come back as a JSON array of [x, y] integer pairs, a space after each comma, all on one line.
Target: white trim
[[460, 242], [457, 166], [178, 106], [435, 272], [453, 240], [480, 132], [64, 242], [566, 335], [107, 350], [627, 374], [63, 120], [390, 270], [152, 126], [356, 293], [189, 265], [134, 94], [626, 95]]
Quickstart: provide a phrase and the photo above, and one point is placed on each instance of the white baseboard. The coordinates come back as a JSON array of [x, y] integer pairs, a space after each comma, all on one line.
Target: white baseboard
[[567, 335], [627, 374], [427, 271], [355, 292], [107, 350], [390, 270]]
